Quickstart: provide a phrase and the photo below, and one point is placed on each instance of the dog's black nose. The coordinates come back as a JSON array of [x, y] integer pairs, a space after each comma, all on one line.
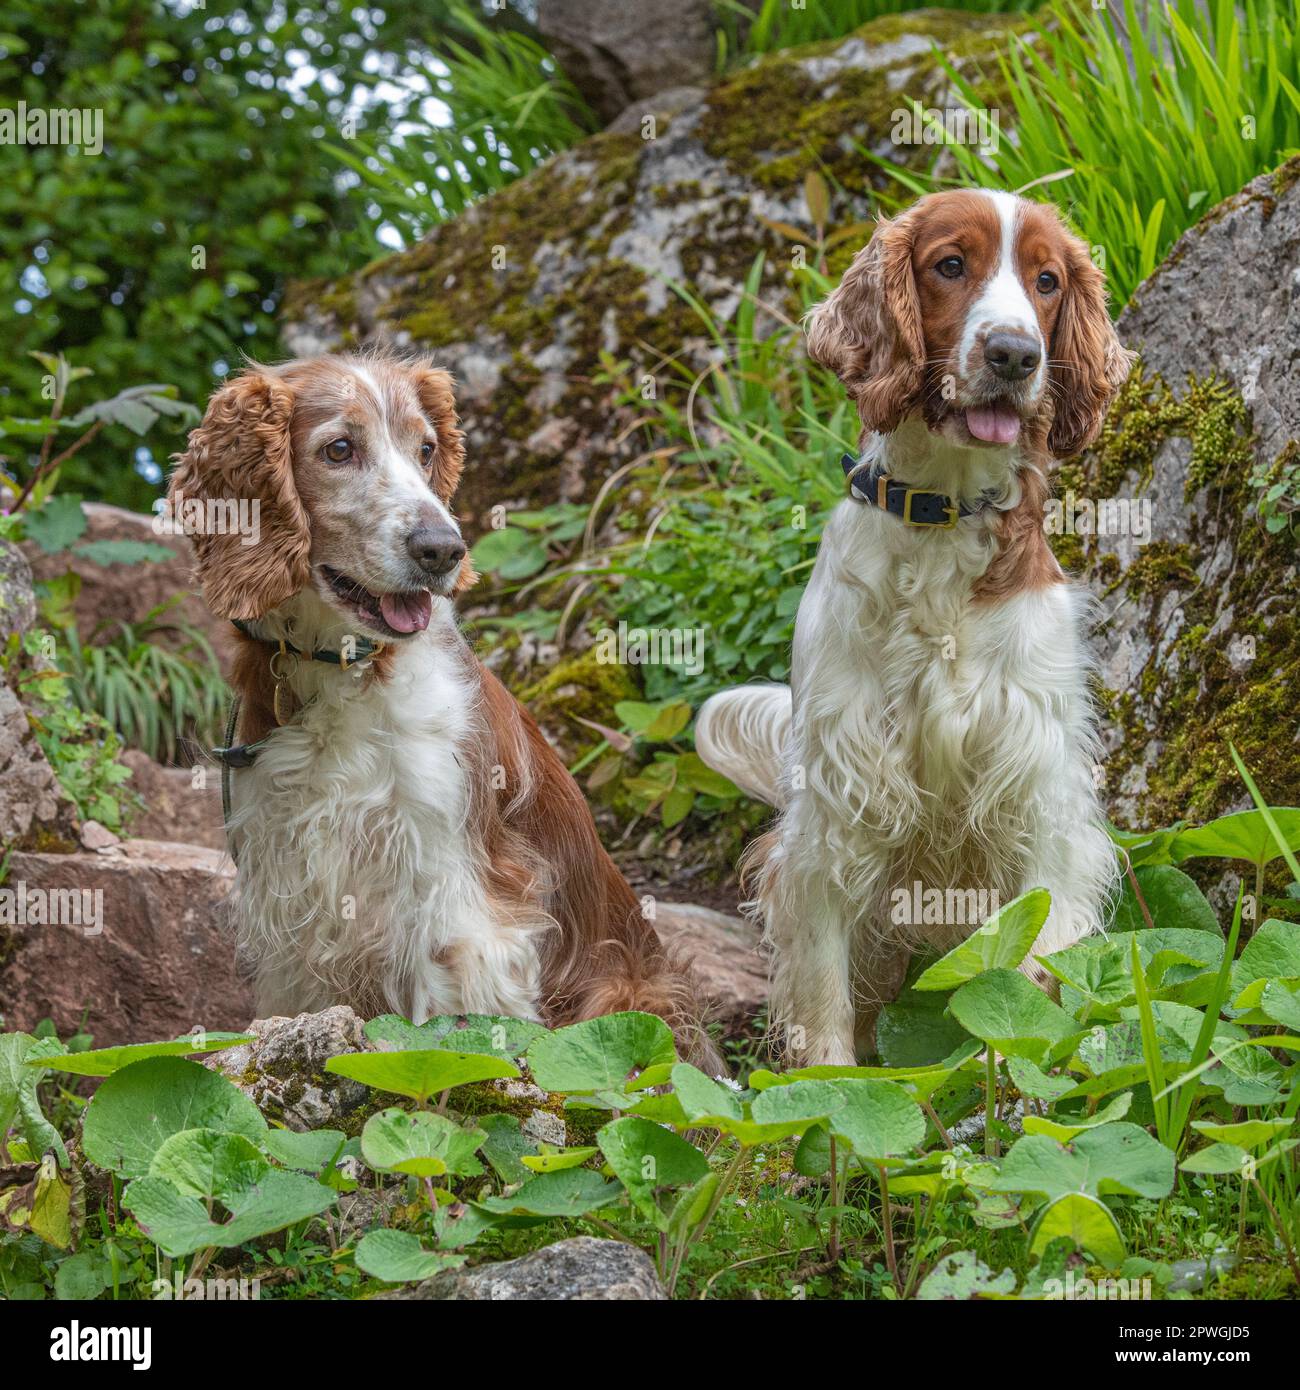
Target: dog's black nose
[[436, 549], [1012, 356]]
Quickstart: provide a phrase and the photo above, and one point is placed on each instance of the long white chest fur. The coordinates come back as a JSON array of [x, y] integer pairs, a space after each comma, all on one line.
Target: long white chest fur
[[938, 745], [364, 869]]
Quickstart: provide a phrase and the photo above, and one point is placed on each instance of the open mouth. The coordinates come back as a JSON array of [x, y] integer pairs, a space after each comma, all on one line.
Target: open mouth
[[993, 422], [395, 615]]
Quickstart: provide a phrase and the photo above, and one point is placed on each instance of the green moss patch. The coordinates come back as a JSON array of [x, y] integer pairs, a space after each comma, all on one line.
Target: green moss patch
[[1225, 662]]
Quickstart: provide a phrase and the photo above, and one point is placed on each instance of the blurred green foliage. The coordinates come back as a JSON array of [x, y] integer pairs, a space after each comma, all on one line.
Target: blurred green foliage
[[165, 256]]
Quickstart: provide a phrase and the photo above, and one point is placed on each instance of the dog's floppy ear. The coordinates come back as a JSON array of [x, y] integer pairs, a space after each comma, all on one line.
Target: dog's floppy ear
[[243, 453], [436, 391], [1088, 363], [869, 331]]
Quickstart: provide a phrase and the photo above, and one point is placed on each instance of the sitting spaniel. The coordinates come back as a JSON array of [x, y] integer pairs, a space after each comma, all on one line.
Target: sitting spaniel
[[406, 838], [937, 733]]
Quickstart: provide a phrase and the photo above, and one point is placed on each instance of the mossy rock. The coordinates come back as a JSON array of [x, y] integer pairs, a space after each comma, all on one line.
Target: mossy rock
[[577, 688], [522, 294], [1198, 636]]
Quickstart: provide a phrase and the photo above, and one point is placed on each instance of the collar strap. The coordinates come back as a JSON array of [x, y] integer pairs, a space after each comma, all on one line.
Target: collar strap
[[912, 505], [365, 648]]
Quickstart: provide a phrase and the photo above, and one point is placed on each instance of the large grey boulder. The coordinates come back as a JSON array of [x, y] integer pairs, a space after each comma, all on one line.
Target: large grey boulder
[[521, 295], [583, 1269], [1197, 630], [617, 52]]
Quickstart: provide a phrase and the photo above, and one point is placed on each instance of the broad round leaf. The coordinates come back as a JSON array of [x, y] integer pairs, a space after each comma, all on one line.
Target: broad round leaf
[[921, 1080], [1242, 835], [701, 1097], [785, 1110], [13, 1049], [1280, 1000], [1216, 1158], [916, 1030], [573, 1192], [1030, 1080], [1273, 952], [1067, 1127], [1009, 1014], [558, 1161], [1172, 899], [147, 1102], [1002, 942], [419, 1073], [878, 1119], [180, 1224], [646, 1157], [397, 1257], [1117, 1159], [964, 1276], [104, 1061], [419, 1142], [470, 1033], [1248, 1134], [309, 1152], [600, 1053], [207, 1163], [1086, 1221], [82, 1276]]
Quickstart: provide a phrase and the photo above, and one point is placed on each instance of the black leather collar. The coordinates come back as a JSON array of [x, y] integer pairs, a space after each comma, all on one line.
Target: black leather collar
[[912, 505], [364, 647]]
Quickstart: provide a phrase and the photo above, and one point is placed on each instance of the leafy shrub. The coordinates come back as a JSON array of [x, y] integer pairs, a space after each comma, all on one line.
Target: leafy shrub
[[149, 260], [151, 691], [82, 748]]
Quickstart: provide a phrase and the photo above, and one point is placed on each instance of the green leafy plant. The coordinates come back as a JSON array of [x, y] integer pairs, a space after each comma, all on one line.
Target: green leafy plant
[[155, 682], [509, 107], [82, 748], [745, 30], [151, 254], [753, 443], [1141, 136], [137, 409], [1278, 483], [1148, 1112]]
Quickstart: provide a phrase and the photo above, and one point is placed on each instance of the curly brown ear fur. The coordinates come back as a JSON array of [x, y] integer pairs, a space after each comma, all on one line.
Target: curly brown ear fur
[[436, 391], [869, 330], [1088, 364], [243, 452]]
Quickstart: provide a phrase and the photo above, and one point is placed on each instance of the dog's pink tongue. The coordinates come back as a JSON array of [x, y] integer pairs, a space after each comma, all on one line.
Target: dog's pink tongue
[[995, 424], [407, 612]]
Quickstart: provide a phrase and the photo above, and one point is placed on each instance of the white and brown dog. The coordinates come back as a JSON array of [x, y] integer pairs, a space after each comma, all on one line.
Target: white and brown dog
[[406, 838], [938, 731]]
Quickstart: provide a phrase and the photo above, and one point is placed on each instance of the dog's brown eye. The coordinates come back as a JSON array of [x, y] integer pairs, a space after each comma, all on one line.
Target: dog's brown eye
[[1047, 282], [950, 267], [338, 450], [426, 454]]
